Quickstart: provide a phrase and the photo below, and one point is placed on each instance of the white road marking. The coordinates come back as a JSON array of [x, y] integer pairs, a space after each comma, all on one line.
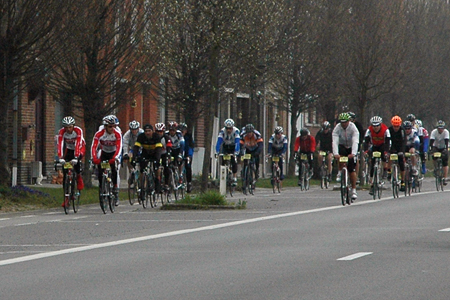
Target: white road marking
[[29, 216], [181, 232], [445, 230], [355, 256], [4, 219]]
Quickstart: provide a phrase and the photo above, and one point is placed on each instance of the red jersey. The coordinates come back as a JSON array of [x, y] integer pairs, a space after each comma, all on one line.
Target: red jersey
[[306, 145], [73, 141], [377, 138]]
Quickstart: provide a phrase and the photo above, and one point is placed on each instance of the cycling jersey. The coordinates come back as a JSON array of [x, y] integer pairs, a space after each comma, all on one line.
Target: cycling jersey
[[177, 140], [325, 140], [129, 139], [412, 140], [149, 145], [439, 140], [108, 143], [347, 138], [228, 141], [251, 141], [71, 141], [398, 140], [377, 139], [278, 146], [307, 145]]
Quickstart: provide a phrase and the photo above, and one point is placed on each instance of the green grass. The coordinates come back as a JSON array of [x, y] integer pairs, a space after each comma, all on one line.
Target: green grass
[[208, 199], [23, 198]]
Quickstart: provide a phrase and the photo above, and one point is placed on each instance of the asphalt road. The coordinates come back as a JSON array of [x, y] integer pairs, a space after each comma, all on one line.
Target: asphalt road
[[296, 245]]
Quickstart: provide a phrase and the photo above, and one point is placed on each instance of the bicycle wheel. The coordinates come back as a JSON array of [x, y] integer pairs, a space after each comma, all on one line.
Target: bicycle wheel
[[394, 181], [132, 189], [67, 192], [111, 198], [278, 180], [344, 188], [250, 178], [273, 179], [144, 190], [75, 197], [375, 182], [181, 186], [103, 196], [230, 183], [323, 176]]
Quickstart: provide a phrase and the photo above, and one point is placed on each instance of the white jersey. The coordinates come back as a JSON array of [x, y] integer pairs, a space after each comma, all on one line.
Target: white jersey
[[109, 143], [348, 137], [439, 138], [129, 140]]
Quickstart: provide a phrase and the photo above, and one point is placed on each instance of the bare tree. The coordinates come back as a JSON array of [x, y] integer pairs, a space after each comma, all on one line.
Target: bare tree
[[27, 36], [107, 50]]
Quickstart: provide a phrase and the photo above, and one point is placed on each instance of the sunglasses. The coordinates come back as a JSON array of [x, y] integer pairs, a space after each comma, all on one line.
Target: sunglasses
[[110, 126]]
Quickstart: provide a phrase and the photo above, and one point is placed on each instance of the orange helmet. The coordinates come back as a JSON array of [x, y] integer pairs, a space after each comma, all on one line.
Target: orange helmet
[[396, 121]]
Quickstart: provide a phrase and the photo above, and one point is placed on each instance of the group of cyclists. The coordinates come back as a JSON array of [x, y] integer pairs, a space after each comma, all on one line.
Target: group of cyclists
[[138, 144], [159, 144], [346, 138]]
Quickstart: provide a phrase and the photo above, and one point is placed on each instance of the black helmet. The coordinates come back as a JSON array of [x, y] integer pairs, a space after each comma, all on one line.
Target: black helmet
[[407, 125], [410, 117], [249, 127], [304, 132], [326, 125]]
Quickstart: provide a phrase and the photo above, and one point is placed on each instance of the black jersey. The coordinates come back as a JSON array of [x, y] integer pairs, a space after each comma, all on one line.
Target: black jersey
[[398, 140]]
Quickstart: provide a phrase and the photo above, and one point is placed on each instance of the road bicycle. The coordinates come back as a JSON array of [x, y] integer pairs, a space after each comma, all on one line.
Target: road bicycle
[[408, 179], [71, 193], [107, 197], [248, 174], [133, 185], [303, 172], [365, 169], [147, 184], [345, 181], [175, 183], [377, 178], [325, 174], [275, 180], [395, 182], [230, 184], [438, 171]]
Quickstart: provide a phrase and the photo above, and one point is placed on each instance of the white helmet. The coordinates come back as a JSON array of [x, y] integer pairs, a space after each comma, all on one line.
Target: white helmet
[[67, 121], [228, 123], [134, 125], [160, 127], [376, 120]]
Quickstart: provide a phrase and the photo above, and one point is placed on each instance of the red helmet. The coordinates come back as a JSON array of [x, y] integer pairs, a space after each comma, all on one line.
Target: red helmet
[[396, 121]]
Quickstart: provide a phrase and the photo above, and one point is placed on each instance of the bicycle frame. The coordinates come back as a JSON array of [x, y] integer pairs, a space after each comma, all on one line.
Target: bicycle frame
[[303, 169], [394, 174], [345, 181]]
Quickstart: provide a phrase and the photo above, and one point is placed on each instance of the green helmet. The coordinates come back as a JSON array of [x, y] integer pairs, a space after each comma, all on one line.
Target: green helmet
[[344, 117]]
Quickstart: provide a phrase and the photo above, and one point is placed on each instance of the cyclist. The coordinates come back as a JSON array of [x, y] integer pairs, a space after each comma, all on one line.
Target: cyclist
[[228, 142], [324, 142], [345, 142], [361, 131], [412, 143], [398, 145], [189, 145], [424, 144], [252, 143], [305, 143], [109, 142], [148, 147], [378, 136], [439, 143], [177, 139], [71, 147], [129, 139], [278, 147], [166, 142]]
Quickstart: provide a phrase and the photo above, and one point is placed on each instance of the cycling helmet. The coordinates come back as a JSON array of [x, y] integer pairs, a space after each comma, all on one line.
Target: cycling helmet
[[109, 120], [249, 127], [160, 127], [229, 123], [182, 126], [410, 117], [419, 123], [278, 129], [396, 121], [344, 117], [134, 125], [440, 124], [67, 121], [148, 126], [376, 120], [173, 125], [352, 115], [326, 125], [407, 124], [304, 132]]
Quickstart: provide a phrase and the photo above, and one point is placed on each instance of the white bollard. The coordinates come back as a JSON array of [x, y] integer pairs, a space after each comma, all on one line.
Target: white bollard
[[223, 180]]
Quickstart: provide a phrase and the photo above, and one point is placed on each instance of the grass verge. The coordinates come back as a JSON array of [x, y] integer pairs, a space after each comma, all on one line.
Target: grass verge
[[208, 200]]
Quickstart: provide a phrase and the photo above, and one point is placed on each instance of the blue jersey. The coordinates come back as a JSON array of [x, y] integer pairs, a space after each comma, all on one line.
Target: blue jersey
[[229, 141]]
